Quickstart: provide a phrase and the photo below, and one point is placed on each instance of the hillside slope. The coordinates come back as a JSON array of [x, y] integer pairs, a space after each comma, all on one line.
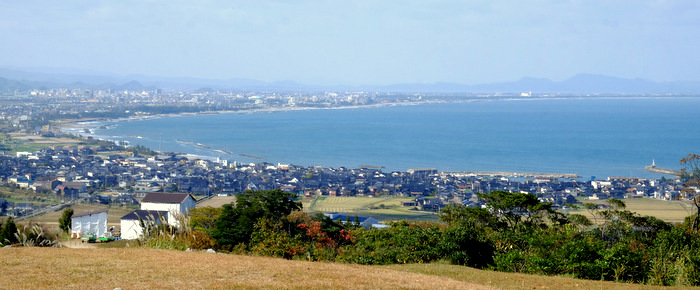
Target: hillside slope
[[130, 268]]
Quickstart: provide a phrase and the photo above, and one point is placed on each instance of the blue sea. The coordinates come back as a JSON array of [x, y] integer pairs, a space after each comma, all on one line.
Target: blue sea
[[589, 136]]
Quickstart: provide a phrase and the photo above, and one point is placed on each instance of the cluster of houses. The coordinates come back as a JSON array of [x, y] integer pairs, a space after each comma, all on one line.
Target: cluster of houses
[[103, 176], [166, 208]]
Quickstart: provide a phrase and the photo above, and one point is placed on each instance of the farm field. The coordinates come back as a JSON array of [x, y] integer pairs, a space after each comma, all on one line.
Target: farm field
[[380, 207], [671, 211], [217, 201], [30, 143], [31, 268], [20, 195], [114, 214]]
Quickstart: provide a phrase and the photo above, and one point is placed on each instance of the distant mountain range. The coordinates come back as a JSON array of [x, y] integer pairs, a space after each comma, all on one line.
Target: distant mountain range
[[16, 79]]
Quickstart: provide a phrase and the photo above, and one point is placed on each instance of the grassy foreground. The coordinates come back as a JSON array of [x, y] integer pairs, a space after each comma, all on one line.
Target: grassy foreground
[[128, 268]]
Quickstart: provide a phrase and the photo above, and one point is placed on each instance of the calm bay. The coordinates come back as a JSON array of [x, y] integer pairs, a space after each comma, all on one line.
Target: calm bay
[[588, 136]]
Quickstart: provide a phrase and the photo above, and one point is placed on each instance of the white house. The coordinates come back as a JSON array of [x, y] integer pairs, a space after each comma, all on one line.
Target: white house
[[178, 202], [162, 203], [89, 222], [131, 223], [173, 203]]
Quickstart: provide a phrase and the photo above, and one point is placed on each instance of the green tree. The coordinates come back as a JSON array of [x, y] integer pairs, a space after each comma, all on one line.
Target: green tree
[[403, 242], [470, 216], [690, 175], [518, 209], [204, 218], [237, 221], [64, 222], [463, 245], [7, 234]]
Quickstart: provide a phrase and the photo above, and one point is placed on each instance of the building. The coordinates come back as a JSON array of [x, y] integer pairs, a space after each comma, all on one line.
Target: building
[[132, 223], [173, 203], [422, 172], [89, 222], [155, 207], [366, 222]]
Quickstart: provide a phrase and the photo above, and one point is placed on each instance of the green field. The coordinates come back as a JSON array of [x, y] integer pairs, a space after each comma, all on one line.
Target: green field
[[379, 207], [20, 195], [20, 142]]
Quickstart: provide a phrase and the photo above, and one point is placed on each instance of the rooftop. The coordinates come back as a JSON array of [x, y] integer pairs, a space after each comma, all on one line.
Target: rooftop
[[163, 197]]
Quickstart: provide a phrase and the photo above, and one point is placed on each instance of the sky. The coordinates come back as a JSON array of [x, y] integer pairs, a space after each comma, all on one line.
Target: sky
[[357, 42]]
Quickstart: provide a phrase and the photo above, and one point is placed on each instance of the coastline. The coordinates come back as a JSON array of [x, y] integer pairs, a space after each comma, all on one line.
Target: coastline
[[209, 151], [78, 126], [81, 123]]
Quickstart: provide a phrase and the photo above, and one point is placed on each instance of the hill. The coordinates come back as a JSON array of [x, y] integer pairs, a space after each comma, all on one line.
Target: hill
[[23, 79], [147, 268]]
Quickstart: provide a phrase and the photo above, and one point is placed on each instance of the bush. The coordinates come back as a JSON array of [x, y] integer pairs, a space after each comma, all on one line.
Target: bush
[[199, 240], [7, 234], [236, 223], [33, 235], [466, 246], [402, 243], [158, 234]]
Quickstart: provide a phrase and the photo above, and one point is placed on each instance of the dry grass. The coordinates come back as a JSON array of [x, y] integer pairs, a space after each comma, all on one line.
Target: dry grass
[[511, 280], [30, 268], [113, 215], [355, 204], [670, 211], [217, 201], [41, 140], [136, 268]]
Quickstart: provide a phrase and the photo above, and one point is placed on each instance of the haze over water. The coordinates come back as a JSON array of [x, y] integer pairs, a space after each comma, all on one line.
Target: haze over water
[[591, 137]]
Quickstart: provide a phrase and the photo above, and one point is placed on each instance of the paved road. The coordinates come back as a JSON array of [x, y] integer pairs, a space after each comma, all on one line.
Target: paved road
[[44, 210]]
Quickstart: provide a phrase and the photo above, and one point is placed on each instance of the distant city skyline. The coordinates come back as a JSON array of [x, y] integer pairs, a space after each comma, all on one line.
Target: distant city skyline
[[356, 42]]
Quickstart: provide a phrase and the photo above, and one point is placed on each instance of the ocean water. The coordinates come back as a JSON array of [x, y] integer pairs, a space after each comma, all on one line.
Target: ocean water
[[590, 137]]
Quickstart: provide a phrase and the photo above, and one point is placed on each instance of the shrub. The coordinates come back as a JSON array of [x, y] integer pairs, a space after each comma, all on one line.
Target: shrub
[[466, 246], [199, 240], [33, 235], [402, 243], [7, 234], [157, 233]]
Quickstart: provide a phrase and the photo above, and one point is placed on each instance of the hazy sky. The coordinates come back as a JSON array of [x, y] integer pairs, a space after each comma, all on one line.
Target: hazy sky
[[357, 42]]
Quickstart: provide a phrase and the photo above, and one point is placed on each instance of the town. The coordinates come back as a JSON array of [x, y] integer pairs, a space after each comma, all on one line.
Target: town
[[104, 172], [36, 111], [82, 172]]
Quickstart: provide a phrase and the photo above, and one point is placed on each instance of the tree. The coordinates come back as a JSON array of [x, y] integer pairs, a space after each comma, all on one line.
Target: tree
[[690, 175], [470, 216], [204, 218], [64, 222], [464, 245], [7, 234], [518, 209], [237, 222]]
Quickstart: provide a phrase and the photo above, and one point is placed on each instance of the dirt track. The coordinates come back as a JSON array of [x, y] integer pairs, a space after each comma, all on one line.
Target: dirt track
[[78, 244]]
